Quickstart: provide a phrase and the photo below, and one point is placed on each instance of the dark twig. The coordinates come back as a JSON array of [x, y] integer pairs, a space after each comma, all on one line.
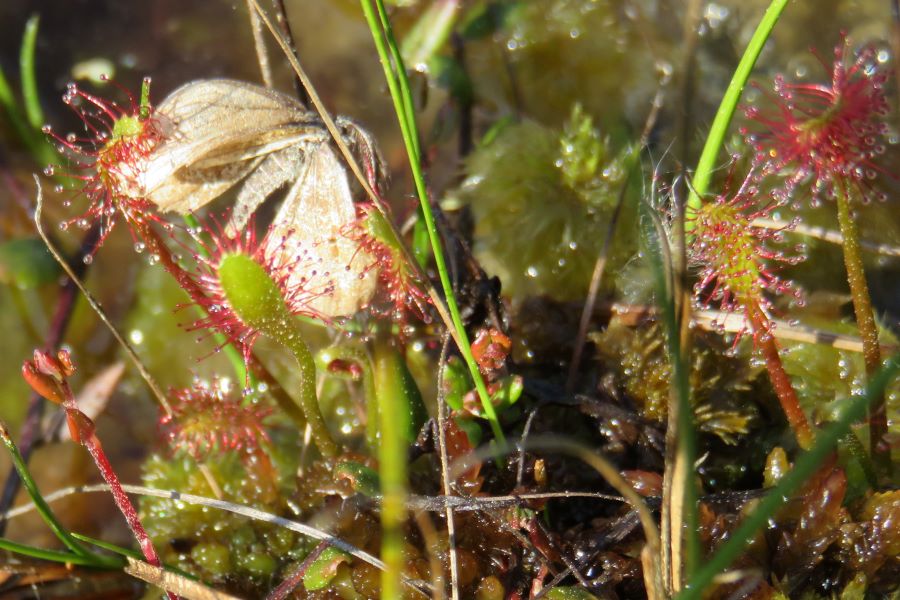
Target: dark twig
[[291, 582], [520, 471], [285, 26], [600, 265]]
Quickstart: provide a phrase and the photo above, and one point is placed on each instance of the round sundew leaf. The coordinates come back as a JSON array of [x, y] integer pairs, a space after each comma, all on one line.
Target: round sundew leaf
[[251, 292]]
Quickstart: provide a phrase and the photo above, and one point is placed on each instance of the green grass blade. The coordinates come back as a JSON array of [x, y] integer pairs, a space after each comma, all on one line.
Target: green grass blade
[[30, 96], [661, 260], [46, 514], [7, 99], [53, 555], [126, 552], [716, 137], [399, 72], [804, 467], [398, 84], [13, 112]]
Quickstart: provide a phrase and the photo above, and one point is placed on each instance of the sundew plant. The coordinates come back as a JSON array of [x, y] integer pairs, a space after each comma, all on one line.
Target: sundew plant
[[490, 299]]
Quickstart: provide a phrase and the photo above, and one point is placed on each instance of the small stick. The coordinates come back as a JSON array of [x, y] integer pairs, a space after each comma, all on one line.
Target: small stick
[[129, 350], [285, 26], [259, 43], [825, 234]]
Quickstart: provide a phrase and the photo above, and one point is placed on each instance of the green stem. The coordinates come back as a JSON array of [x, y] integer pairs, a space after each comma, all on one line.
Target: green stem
[[781, 383], [716, 137], [286, 333], [865, 320], [402, 81], [257, 301], [395, 74], [393, 422], [30, 96]]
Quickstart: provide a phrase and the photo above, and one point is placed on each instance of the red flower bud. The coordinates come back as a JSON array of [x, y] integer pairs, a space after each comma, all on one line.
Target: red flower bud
[[42, 383], [490, 348], [81, 428]]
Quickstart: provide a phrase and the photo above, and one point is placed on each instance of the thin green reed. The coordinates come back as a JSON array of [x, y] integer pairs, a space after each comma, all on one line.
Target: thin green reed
[[660, 257], [78, 553], [716, 136], [398, 84]]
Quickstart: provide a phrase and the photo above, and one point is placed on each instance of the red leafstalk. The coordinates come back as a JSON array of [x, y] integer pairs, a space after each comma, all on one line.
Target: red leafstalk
[[46, 371]]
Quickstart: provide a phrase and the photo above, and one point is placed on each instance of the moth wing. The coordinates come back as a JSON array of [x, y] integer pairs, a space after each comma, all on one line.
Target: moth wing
[[274, 171], [315, 217], [213, 122], [190, 189]]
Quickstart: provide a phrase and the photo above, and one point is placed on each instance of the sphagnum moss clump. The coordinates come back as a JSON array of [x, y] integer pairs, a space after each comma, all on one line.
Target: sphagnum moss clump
[[555, 189], [724, 391]]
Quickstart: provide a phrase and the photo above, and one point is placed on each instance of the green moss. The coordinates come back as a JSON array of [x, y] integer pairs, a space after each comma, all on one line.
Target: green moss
[[721, 386], [566, 51], [218, 546], [541, 199]]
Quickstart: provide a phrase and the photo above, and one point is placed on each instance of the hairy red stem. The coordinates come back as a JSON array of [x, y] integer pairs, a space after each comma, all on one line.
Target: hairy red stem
[[865, 320], [92, 444], [781, 383]]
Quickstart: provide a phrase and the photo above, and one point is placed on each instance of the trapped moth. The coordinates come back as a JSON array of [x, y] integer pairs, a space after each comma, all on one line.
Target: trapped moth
[[219, 132]]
